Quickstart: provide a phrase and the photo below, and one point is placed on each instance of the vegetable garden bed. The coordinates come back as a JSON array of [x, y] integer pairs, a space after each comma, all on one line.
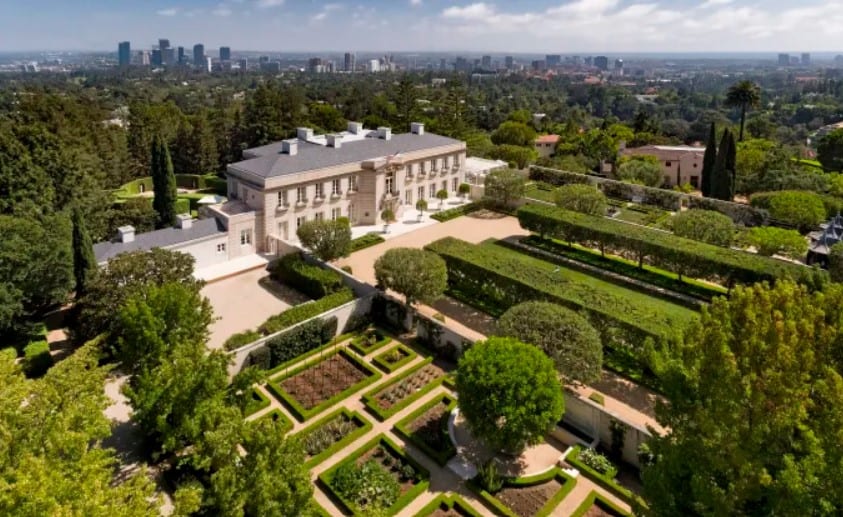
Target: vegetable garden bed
[[387, 400], [534, 496], [596, 505], [603, 479], [370, 340], [445, 506], [394, 358], [332, 433], [313, 387], [378, 470], [427, 428]]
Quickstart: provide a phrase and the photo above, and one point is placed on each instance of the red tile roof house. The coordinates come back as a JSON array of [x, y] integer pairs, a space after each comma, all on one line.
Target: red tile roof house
[[546, 145]]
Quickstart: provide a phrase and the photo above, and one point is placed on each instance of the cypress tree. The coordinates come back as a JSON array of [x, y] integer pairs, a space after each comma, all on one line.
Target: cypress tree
[[723, 176], [84, 262], [163, 183], [709, 158]]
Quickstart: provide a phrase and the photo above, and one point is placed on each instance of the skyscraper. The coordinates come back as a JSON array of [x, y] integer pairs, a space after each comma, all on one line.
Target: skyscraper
[[806, 58], [509, 61], [199, 55], [182, 59], [168, 56], [486, 62], [553, 60], [601, 62], [124, 53], [163, 44], [156, 57], [225, 53], [350, 63], [784, 59]]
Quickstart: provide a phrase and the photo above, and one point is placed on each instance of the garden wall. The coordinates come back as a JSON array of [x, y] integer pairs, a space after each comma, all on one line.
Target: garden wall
[[351, 311]]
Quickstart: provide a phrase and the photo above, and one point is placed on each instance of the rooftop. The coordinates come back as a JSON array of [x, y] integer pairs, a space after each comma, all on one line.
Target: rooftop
[[166, 237], [547, 139], [270, 162]]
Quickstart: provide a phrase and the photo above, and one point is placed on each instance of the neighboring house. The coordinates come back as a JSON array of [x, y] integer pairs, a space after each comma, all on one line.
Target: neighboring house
[[206, 239], [822, 240], [681, 164], [546, 145], [355, 174]]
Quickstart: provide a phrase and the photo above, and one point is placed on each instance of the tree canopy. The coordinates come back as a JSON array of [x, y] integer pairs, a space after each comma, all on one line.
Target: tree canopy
[[754, 416], [704, 225], [504, 186], [581, 198], [830, 150], [418, 275], [640, 170], [328, 240], [565, 336], [527, 399]]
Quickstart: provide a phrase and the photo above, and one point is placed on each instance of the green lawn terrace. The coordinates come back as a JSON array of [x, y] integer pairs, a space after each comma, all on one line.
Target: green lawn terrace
[[499, 277]]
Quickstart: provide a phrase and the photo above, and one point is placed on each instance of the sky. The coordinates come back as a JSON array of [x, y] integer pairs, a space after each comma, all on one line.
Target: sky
[[495, 26]]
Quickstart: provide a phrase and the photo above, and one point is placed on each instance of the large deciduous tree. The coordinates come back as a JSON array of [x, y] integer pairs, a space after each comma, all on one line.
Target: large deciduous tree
[[504, 187], [754, 418], [514, 133], [769, 241], [709, 159], [743, 95], [418, 275], [581, 198], [642, 170], [328, 240], [830, 151], [804, 210], [163, 183], [509, 393], [704, 225], [565, 336]]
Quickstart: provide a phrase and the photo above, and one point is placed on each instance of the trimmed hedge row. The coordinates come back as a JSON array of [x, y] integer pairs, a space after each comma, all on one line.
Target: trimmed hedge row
[[667, 199], [568, 483], [592, 499], [300, 412], [362, 345], [289, 345], [364, 241], [290, 317], [257, 402], [604, 481], [503, 277], [310, 279], [381, 440], [381, 362], [452, 503], [685, 257], [453, 213], [382, 414], [364, 427], [403, 429]]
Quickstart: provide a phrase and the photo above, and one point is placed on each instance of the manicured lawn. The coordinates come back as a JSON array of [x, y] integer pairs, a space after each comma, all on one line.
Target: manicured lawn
[[539, 191]]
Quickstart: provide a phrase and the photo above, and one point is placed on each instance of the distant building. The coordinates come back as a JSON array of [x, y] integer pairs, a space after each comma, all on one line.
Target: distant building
[[443, 64], [509, 62], [225, 53], [619, 66], [143, 58], [806, 58], [350, 62], [199, 54], [182, 58], [539, 65], [601, 62], [156, 58], [784, 59], [244, 64], [124, 53], [373, 66], [486, 62], [546, 145], [681, 164], [588, 61], [315, 65], [168, 56], [163, 44], [553, 60], [209, 64], [462, 65]]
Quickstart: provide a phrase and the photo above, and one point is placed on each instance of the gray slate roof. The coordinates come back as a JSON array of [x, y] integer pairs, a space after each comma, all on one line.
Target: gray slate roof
[[271, 163], [162, 238]]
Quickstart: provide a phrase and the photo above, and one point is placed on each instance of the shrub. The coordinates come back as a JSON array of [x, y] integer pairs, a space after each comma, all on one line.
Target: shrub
[[310, 279], [769, 241], [368, 486], [489, 478], [705, 226], [801, 209], [259, 358], [365, 241], [585, 199], [36, 358], [453, 213], [641, 171], [241, 339], [300, 340], [835, 262], [596, 461], [182, 205]]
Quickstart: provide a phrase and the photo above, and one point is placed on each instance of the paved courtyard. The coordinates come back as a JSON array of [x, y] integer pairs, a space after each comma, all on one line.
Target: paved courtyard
[[244, 301]]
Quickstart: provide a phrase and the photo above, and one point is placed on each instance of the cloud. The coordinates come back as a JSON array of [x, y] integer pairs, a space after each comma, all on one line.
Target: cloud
[[714, 3], [470, 12], [415, 3], [172, 11], [326, 10], [265, 4], [222, 10]]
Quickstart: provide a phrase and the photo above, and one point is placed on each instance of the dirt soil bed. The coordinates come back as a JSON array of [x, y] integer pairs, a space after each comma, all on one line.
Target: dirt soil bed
[[390, 463], [406, 387], [527, 501], [432, 427], [446, 513], [596, 511], [324, 380]]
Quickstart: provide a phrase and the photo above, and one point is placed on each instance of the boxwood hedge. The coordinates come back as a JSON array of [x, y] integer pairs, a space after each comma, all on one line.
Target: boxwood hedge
[[685, 257], [310, 279], [289, 345], [364, 241]]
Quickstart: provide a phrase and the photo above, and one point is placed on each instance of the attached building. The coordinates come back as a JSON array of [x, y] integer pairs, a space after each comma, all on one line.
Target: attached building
[[681, 164]]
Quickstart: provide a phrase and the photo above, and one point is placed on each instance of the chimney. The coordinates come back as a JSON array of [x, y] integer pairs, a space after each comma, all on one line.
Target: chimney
[[304, 133], [355, 128], [184, 221], [334, 141], [126, 234], [385, 133], [290, 147], [417, 128]]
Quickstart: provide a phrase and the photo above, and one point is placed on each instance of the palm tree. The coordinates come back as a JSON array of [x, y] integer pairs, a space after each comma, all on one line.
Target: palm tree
[[743, 95]]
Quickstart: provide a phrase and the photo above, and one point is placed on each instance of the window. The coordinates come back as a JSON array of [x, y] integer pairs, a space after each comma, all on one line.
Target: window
[[433, 190], [421, 193], [389, 182], [695, 165], [456, 160], [351, 213], [319, 216], [695, 181], [446, 162], [301, 195], [282, 230], [245, 237], [455, 184], [408, 197], [320, 191], [433, 164], [335, 187], [445, 185], [221, 247], [282, 198], [352, 183], [667, 164], [300, 220], [421, 168], [335, 214]]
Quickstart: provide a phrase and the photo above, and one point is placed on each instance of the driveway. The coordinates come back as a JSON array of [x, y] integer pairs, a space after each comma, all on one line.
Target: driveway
[[244, 301], [474, 228]]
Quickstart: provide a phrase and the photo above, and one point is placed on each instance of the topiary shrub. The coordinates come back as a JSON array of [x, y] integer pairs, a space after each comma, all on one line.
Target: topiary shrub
[[259, 358], [705, 226], [36, 358], [310, 279], [581, 198]]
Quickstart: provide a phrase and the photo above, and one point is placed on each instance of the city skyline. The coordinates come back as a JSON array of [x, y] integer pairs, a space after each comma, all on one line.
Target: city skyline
[[585, 26]]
